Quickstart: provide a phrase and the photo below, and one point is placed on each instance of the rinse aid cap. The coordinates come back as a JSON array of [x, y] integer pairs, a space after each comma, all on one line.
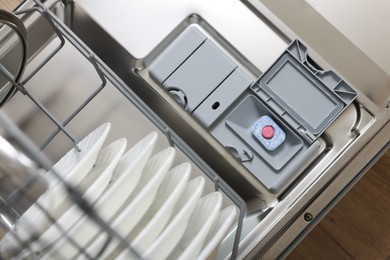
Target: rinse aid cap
[[268, 133]]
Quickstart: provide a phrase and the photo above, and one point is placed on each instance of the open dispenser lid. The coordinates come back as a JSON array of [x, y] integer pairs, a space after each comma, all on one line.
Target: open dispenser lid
[[308, 99]]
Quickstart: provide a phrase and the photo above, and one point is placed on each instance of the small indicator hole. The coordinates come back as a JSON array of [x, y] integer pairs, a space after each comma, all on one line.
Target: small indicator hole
[[215, 105]]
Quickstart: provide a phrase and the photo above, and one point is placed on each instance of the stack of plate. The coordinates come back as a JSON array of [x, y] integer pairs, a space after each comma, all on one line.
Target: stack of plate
[[144, 198]]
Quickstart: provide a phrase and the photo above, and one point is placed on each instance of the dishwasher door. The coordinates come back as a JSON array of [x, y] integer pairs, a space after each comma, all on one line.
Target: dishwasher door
[[129, 36]]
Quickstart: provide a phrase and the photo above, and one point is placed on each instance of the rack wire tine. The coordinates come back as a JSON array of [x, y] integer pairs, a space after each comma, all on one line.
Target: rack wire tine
[[101, 251], [65, 235], [81, 107], [21, 244], [27, 243], [8, 216], [52, 54], [86, 207], [54, 120], [24, 91], [92, 59]]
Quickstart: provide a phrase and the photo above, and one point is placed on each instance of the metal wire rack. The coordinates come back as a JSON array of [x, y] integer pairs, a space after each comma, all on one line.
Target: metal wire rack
[[15, 136]]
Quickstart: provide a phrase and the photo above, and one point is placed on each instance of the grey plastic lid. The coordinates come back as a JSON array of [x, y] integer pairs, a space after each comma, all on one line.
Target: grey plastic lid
[[307, 98]]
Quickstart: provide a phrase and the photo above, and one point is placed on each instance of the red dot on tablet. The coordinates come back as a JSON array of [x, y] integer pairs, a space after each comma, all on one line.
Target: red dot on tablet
[[268, 132]]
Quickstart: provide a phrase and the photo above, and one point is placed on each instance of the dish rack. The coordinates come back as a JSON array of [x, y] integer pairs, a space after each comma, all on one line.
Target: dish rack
[[65, 38]]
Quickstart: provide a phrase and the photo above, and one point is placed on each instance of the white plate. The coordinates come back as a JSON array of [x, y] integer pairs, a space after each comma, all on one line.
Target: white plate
[[217, 233], [75, 165], [201, 220], [156, 218], [125, 178], [160, 212], [168, 239], [139, 202], [72, 168], [91, 188]]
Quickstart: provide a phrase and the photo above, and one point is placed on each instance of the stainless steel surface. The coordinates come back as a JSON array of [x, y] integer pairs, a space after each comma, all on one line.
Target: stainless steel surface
[[128, 35], [139, 28], [351, 141], [362, 24]]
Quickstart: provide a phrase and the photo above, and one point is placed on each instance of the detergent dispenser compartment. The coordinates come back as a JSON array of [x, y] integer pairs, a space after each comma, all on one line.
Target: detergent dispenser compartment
[[273, 123]]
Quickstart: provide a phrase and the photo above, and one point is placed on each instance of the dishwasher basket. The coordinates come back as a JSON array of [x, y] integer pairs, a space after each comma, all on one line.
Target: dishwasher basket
[[44, 67]]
